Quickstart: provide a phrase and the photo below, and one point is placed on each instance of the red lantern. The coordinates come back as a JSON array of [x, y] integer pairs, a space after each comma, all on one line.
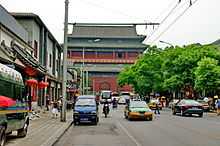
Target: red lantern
[[42, 84], [31, 82], [30, 71]]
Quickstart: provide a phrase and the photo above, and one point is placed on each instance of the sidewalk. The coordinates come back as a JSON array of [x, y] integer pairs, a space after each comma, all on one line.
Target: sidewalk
[[43, 131]]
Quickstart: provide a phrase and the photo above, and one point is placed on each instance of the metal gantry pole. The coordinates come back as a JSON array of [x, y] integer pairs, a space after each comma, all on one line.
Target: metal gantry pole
[[87, 81], [63, 112], [83, 75]]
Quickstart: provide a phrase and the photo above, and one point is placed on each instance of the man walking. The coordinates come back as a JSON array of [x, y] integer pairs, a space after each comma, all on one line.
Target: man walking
[[218, 107], [157, 108]]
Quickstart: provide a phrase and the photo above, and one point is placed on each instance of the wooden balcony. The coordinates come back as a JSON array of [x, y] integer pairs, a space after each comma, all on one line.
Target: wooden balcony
[[126, 61]]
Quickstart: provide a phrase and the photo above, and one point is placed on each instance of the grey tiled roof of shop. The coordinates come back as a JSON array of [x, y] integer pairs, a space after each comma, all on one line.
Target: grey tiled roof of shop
[[9, 22]]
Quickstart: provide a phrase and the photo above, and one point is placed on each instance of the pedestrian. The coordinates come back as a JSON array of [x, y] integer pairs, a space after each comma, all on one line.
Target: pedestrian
[[55, 110], [218, 107], [114, 103], [29, 99], [157, 111], [59, 104], [47, 102]]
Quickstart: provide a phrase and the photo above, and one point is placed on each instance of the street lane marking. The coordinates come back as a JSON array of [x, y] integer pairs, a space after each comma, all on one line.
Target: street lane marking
[[129, 135]]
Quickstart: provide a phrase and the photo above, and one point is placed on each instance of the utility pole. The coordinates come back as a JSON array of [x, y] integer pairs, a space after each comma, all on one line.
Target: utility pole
[[63, 112], [83, 75]]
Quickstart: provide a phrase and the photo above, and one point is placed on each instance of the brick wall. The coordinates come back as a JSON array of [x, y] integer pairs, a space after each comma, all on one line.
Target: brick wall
[[107, 83]]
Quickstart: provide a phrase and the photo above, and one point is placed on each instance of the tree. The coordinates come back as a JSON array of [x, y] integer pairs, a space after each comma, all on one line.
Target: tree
[[207, 75], [171, 69]]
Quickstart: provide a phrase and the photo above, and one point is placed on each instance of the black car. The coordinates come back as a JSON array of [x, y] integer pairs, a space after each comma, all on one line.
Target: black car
[[188, 106]]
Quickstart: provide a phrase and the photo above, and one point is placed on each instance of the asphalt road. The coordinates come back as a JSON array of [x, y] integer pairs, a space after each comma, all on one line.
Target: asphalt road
[[164, 130]]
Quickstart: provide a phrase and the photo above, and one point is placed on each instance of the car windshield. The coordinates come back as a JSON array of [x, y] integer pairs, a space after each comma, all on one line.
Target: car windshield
[[138, 104], [85, 102], [106, 94], [202, 101], [190, 102], [86, 96], [115, 94], [125, 93]]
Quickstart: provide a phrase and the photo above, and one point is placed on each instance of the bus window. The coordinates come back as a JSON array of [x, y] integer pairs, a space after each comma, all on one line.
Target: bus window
[[6, 89]]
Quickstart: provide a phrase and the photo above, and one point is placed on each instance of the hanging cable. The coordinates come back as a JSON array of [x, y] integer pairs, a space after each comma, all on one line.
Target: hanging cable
[[164, 19], [112, 10], [175, 20], [165, 10]]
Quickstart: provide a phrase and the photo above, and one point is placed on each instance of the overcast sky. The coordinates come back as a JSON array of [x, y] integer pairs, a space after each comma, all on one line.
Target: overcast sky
[[200, 23]]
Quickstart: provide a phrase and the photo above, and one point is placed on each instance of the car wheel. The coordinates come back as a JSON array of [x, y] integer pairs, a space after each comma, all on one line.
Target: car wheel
[[96, 121], [129, 118], [3, 137], [23, 132], [174, 113], [150, 118], [201, 115], [76, 123], [125, 115]]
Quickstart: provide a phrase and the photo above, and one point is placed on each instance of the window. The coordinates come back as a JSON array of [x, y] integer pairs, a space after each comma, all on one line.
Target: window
[[50, 61], [6, 89], [57, 64], [105, 55], [76, 54], [132, 54], [120, 55], [35, 48]]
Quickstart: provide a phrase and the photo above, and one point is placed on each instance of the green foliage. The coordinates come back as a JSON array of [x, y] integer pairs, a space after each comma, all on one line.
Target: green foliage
[[173, 68], [207, 74]]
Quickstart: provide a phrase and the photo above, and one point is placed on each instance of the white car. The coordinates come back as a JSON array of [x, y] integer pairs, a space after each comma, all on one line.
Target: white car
[[123, 98]]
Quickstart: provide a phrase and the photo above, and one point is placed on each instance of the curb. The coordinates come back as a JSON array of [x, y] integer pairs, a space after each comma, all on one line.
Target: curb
[[56, 137], [59, 137]]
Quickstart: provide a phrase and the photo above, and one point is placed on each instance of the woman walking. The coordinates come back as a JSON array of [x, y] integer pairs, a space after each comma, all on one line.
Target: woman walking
[[55, 110]]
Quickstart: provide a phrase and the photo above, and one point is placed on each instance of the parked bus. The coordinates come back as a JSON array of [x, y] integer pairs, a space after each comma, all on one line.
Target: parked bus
[[13, 104]]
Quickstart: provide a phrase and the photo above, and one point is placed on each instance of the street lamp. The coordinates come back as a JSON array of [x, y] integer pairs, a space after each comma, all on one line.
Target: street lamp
[[63, 112], [166, 43]]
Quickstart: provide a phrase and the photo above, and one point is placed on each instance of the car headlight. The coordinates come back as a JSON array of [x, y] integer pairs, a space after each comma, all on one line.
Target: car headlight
[[75, 112]]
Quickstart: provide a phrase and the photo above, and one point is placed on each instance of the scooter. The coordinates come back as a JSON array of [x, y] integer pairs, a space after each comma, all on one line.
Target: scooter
[[106, 110]]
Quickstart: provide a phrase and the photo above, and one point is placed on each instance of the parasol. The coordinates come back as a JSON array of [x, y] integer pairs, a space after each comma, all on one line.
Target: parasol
[[6, 101]]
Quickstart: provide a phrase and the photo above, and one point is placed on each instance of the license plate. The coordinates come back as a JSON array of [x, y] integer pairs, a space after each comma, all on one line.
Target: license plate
[[194, 107], [84, 119], [142, 115]]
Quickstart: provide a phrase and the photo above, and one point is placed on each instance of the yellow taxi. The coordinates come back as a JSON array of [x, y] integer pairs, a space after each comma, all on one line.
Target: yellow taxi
[[138, 110]]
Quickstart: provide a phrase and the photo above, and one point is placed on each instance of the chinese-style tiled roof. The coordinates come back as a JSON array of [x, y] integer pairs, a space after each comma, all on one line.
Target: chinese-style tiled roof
[[8, 21], [106, 45], [27, 59], [104, 31]]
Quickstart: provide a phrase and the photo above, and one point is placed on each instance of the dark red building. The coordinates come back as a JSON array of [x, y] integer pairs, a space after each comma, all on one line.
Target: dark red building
[[102, 51]]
